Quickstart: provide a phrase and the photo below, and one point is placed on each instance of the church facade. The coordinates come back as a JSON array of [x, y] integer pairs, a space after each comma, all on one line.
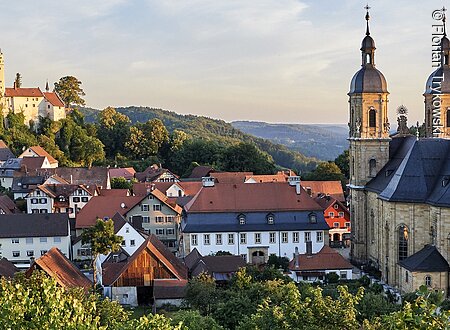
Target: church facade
[[399, 184]]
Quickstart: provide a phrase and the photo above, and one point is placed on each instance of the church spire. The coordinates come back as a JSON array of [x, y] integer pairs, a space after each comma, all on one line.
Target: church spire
[[367, 19], [368, 44]]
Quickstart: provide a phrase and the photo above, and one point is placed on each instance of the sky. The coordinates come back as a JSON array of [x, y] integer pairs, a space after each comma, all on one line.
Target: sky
[[279, 61]]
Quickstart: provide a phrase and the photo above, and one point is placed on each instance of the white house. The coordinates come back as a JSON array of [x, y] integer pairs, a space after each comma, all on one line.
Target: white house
[[24, 237], [253, 220], [37, 151]]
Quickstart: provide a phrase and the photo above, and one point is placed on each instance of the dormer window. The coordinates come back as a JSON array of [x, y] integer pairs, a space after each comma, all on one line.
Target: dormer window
[[241, 218], [312, 217], [61, 198], [270, 218]]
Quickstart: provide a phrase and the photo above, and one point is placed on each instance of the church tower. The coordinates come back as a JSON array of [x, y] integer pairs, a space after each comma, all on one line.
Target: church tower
[[368, 137], [437, 94], [2, 83]]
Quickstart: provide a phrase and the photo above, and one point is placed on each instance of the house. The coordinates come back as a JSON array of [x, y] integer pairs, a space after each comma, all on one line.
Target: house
[[132, 281], [313, 267], [155, 173], [425, 267], [127, 173], [58, 198], [7, 172], [7, 206], [337, 217], [230, 177], [201, 171], [221, 268], [23, 185], [330, 188], [103, 207], [7, 268], [34, 163], [53, 107], [5, 152], [37, 151], [132, 239], [24, 237], [56, 265], [159, 215], [253, 220]]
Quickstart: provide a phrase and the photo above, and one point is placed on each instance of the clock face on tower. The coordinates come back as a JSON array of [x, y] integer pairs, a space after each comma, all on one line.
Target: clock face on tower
[[402, 110]]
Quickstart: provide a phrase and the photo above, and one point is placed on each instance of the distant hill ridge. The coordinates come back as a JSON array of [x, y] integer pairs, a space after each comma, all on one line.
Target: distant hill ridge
[[212, 129]]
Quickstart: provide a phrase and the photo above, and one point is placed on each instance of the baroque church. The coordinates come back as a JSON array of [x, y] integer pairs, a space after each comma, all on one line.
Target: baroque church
[[400, 183], [32, 102]]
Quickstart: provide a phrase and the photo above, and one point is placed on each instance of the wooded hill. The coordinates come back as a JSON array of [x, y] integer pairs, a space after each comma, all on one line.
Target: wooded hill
[[209, 129]]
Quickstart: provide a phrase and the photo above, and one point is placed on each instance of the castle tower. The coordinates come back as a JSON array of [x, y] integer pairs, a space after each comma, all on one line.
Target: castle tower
[[369, 139], [437, 94]]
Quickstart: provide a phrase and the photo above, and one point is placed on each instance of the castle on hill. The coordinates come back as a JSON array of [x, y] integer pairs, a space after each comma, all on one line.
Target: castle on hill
[[32, 102]]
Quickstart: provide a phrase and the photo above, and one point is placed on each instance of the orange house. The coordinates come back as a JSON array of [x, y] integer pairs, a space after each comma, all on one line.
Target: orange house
[[337, 217]]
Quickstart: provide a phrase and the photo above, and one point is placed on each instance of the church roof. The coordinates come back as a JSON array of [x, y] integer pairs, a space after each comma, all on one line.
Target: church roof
[[426, 260], [418, 172]]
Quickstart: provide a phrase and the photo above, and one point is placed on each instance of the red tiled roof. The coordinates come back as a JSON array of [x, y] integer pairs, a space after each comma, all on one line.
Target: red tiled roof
[[325, 259], [32, 163], [230, 177], [126, 172], [190, 188], [279, 177], [201, 171], [114, 192], [56, 265], [104, 206], [3, 144], [273, 196], [7, 205], [54, 99], [38, 150], [7, 268], [332, 188], [23, 92]]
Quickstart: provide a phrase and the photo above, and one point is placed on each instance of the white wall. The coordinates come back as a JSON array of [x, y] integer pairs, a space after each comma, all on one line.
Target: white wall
[[311, 279], [129, 234], [125, 295]]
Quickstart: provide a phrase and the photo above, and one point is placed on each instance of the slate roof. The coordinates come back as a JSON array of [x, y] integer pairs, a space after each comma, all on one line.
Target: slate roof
[[94, 176], [426, 260], [12, 164], [418, 172], [7, 205], [325, 259], [5, 152], [25, 184], [169, 289], [57, 266], [34, 225], [220, 264], [7, 268], [56, 190], [32, 163]]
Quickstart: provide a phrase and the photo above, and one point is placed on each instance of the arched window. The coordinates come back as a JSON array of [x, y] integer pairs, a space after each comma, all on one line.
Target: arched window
[[428, 280], [270, 217], [402, 242], [241, 218], [372, 118], [447, 121], [367, 58], [372, 168]]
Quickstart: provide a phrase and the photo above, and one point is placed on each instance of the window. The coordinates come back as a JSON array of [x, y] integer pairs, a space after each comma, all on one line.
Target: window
[[341, 214], [307, 236], [43, 200], [56, 239], [145, 208], [43, 239], [284, 237], [194, 239], [30, 253], [335, 224], [312, 218], [336, 206], [157, 207], [257, 238], [406, 276], [127, 229], [43, 252], [448, 118], [295, 237], [132, 242], [243, 238], [15, 241], [241, 218], [319, 236], [29, 240], [272, 238], [16, 254], [372, 118], [159, 231], [146, 219], [230, 238], [76, 199], [170, 231], [84, 199], [343, 275], [372, 168], [206, 239], [402, 242], [123, 243], [43, 211], [169, 218], [159, 219], [270, 219], [428, 280], [244, 256], [35, 211], [219, 239], [69, 210], [125, 296], [34, 201], [347, 225]]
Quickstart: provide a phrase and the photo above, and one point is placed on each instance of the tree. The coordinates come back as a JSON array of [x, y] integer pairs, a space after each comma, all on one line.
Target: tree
[[18, 80], [93, 150], [121, 183], [201, 293], [102, 239], [193, 320], [246, 157], [343, 162], [70, 91], [113, 129], [326, 171]]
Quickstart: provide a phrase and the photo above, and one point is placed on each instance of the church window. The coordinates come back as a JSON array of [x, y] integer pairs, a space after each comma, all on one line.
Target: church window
[[402, 242], [372, 168], [372, 118], [406, 277], [448, 118], [367, 58], [428, 280]]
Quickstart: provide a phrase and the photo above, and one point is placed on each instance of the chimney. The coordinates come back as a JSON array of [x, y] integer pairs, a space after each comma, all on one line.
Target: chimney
[[295, 181], [207, 181], [309, 248]]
